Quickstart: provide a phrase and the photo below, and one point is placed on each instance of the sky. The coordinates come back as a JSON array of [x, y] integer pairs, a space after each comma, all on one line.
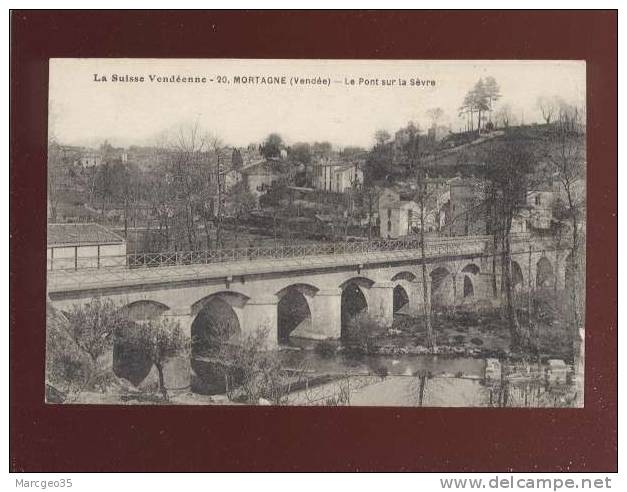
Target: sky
[[83, 111]]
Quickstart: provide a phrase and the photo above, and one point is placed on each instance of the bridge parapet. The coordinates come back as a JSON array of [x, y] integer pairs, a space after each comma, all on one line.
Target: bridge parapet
[[157, 268]]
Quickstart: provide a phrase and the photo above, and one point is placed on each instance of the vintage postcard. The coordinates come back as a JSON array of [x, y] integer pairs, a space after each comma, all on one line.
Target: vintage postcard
[[316, 232]]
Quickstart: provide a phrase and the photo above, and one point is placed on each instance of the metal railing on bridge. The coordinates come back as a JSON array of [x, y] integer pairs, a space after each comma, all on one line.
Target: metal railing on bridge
[[440, 246]]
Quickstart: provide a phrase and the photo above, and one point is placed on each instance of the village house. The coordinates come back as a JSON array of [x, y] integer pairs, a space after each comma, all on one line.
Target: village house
[[260, 177], [438, 132], [468, 213], [540, 203], [347, 177], [332, 174], [231, 178], [397, 214], [89, 159]]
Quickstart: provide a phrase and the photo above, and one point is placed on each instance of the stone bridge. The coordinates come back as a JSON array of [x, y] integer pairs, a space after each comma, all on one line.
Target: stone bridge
[[309, 293]]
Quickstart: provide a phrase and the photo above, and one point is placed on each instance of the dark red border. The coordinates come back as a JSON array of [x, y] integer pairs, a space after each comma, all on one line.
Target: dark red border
[[81, 438]]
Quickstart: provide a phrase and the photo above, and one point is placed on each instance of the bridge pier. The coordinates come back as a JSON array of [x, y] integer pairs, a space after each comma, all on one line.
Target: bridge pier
[[326, 314], [261, 313], [414, 291], [381, 302]]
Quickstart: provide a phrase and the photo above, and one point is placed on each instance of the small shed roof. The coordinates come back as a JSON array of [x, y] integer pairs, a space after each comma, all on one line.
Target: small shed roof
[[88, 234]]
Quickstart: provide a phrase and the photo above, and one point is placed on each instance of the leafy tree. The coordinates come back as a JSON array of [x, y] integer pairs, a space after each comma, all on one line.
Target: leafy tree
[[477, 101], [492, 92], [160, 340], [467, 108], [76, 345], [381, 137], [324, 149], [301, 152], [352, 151], [68, 368], [236, 159], [480, 100], [92, 326], [272, 146]]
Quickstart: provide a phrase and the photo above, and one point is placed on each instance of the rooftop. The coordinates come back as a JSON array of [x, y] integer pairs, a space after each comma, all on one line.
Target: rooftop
[[81, 235]]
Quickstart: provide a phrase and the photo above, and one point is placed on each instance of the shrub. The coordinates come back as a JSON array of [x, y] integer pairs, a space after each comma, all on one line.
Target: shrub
[[253, 372], [420, 341], [361, 333], [476, 341], [381, 371], [75, 345], [325, 348]]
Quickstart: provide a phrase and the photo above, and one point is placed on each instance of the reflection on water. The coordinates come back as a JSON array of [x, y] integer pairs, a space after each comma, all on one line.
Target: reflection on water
[[303, 357], [334, 377]]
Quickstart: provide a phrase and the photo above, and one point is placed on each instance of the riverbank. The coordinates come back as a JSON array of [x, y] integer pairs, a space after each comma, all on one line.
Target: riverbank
[[464, 332]]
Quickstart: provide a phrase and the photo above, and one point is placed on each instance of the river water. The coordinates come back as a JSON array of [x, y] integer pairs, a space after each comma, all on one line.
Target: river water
[[341, 378], [301, 355]]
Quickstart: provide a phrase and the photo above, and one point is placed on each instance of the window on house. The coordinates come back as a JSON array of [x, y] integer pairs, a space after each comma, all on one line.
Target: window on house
[[389, 226], [389, 213], [537, 199]]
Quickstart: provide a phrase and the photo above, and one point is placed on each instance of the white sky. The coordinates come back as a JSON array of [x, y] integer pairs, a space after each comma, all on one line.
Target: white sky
[[85, 112]]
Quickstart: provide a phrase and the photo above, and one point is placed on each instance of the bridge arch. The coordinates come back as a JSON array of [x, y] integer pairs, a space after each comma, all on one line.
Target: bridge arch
[[518, 279], [294, 310], [400, 298], [469, 288], [143, 310], [216, 318], [407, 276], [471, 268], [354, 299], [129, 361], [545, 276], [468, 285]]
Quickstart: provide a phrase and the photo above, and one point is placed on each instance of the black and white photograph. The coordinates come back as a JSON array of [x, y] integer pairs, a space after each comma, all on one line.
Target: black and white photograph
[[390, 233]]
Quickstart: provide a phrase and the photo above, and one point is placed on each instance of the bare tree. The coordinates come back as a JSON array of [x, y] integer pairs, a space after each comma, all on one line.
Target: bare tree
[[215, 145], [507, 168], [252, 371], [422, 197], [504, 116], [381, 137], [192, 164], [549, 107], [54, 182], [566, 154], [435, 115]]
